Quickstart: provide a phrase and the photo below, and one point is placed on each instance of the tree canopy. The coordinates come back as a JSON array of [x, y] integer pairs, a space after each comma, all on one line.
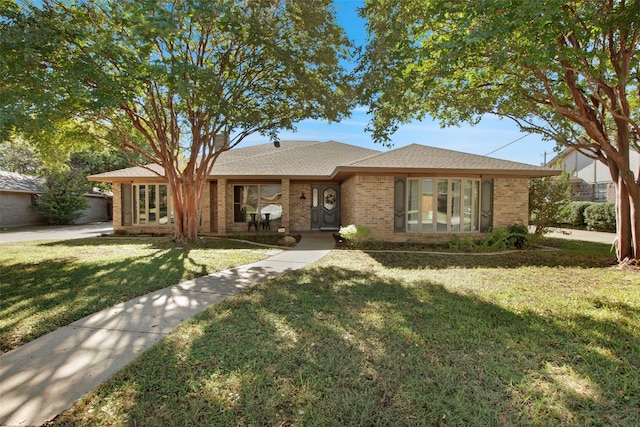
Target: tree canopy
[[176, 82], [566, 69]]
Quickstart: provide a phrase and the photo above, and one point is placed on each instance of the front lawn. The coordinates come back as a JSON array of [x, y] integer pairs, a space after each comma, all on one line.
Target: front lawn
[[46, 285], [363, 339]]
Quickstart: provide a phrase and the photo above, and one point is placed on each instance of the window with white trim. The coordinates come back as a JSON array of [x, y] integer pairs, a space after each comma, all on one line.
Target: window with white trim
[[151, 204], [443, 205]]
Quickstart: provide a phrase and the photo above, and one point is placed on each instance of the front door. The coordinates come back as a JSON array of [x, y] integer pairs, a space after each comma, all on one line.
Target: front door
[[325, 207]]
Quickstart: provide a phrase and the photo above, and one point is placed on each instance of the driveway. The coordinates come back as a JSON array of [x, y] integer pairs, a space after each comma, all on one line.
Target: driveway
[[584, 235], [57, 232]]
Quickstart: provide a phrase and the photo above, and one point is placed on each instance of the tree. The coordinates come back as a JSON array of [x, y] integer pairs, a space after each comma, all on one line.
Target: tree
[[176, 82], [548, 197], [566, 69], [17, 155], [63, 199]]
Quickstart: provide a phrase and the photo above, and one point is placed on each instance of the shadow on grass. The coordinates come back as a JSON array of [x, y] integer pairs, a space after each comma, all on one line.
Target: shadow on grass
[[70, 291], [338, 346], [153, 242], [595, 257]]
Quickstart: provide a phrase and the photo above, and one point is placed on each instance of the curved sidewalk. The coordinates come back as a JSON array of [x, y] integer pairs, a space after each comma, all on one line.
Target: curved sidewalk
[[44, 377]]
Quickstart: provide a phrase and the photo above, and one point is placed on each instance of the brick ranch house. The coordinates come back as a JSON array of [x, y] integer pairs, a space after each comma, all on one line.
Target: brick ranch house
[[410, 193], [19, 193]]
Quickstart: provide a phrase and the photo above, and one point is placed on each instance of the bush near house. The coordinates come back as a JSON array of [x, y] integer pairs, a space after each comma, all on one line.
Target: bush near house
[[573, 214], [355, 234], [601, 217], [63, 200]]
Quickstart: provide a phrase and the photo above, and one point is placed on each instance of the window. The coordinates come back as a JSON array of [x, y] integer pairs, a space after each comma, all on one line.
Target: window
[[151, 204], [35, 199], [600, 192], [263, 201], [443, 205]]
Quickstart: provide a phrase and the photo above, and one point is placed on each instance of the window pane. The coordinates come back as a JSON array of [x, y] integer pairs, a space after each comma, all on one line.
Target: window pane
[[442, 204], [135, 203], [468, 208], [152, 204], [271, 202], [412, 206], [427, 205], [456, 205], [142, 205], [164, 204], [476, 206], [245, 202]]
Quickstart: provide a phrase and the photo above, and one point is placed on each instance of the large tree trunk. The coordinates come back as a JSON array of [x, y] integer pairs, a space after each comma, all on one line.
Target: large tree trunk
[[187, 211], [186, 194], [627, 214]]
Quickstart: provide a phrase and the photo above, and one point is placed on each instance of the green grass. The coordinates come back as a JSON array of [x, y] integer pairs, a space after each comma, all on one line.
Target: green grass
[[363, 339], [46, 285]]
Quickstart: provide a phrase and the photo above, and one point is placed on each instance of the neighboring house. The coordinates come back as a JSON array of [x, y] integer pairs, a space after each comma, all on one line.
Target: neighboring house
[[590, 179], [18, 193], [410, 193]]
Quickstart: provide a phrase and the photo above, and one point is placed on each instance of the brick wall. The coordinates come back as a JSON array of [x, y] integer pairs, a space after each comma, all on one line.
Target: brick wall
[[99, 209], [117, 208], [299, 209], [368, 200], [347, 202], [15, 210], [205, 209], [510, 201]]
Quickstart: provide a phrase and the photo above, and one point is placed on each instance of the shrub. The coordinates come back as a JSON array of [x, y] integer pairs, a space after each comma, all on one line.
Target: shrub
[[573, 214], [63, 200], [518, 236], [515, 236], [463, 244], [355, 233], [547, 198], [601, 217]]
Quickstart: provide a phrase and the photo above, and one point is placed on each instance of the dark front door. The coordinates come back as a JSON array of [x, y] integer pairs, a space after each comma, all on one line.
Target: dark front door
[[325, 207]]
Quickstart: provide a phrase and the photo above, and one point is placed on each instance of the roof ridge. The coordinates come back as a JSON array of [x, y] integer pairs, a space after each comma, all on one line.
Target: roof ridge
[[307, 143], [383, 153]]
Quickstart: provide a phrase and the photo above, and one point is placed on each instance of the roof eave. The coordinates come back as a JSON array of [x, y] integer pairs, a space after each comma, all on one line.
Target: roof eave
[[344, 171]]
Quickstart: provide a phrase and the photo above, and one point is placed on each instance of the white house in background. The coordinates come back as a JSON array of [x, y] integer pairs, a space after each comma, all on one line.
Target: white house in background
[[18, 193], [591, 179]]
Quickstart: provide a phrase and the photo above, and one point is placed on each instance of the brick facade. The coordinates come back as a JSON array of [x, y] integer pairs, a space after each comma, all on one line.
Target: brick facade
[[365, 200], [510, 201], [368, 200], [15, 210]]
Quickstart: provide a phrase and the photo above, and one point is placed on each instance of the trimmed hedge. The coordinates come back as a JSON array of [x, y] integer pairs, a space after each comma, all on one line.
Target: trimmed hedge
[[573, 213], [600, 216]]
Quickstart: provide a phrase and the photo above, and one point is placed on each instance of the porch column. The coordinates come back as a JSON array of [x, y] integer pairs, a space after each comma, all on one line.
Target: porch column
[[286, 207], [222, 206]]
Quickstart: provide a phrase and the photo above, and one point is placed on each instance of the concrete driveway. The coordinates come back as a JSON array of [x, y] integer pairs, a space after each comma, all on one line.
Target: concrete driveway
[[584, 235], [57, 232]]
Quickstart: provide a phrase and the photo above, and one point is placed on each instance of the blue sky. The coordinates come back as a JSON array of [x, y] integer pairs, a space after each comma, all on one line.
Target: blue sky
[[488, 136]]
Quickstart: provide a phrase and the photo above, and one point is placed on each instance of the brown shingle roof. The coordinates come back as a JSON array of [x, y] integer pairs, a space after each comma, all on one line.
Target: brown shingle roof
[[15, 182], [421, 158], [128, 173], [293, 158], [322, 160]]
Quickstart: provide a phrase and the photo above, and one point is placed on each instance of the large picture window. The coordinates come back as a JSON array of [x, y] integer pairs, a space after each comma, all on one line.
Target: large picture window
[[257, 202], [151, 204], [443, 205]]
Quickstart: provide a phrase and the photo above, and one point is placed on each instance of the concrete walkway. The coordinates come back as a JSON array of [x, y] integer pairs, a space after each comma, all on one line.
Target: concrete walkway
[[44, 377]]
